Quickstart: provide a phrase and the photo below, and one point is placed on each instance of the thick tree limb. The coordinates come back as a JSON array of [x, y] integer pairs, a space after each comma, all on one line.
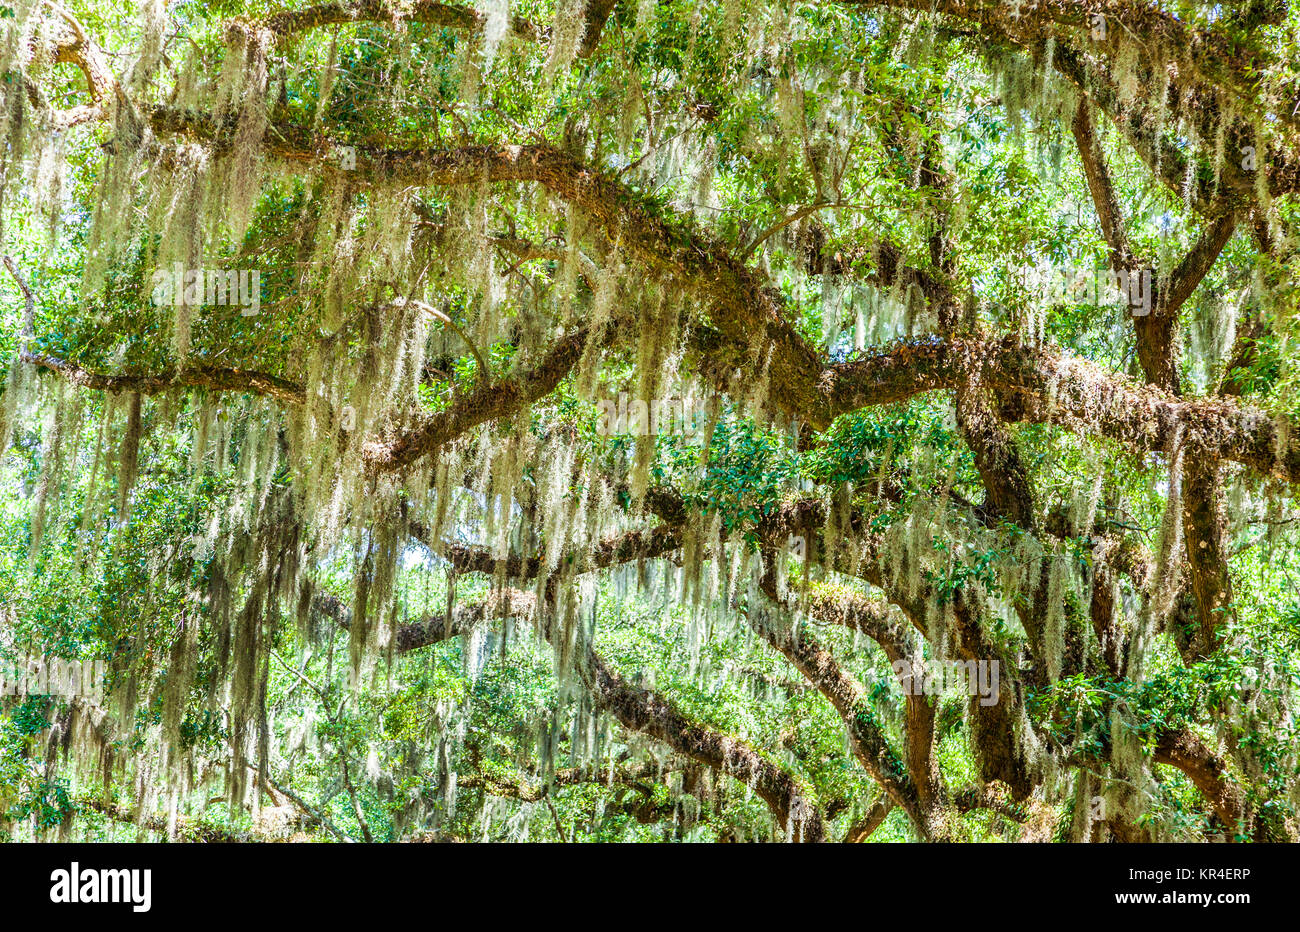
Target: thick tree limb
[[1003, 473], [186, 830], [1032, 385], [639, 709], [74, 47], [1157, 352], [1157, 332], [1035, 385], [799, 383], [640, 777], [435, 629], [342, 12], [485, 403], [865, 827], [625, 548], [646, 711], [191, 376], [447, 15], [1101, 187], [597, 16], [1187, 752], [1196, 264], [916, 791], [1204, 525]]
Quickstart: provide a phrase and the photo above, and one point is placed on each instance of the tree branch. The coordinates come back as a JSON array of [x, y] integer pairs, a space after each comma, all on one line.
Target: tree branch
[[193, 375]]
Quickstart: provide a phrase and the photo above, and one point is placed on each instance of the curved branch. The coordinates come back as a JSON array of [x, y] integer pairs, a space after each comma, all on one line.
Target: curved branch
[[915, 793], [646, 711], [1206, 770], [485, 403], [75, 48]]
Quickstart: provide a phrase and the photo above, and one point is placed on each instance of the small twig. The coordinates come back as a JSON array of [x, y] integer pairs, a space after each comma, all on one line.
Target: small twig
[[29, 312], [484, 371], [324, 697], [352, 794], [782, 224], [306, 807], [556, 816]]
